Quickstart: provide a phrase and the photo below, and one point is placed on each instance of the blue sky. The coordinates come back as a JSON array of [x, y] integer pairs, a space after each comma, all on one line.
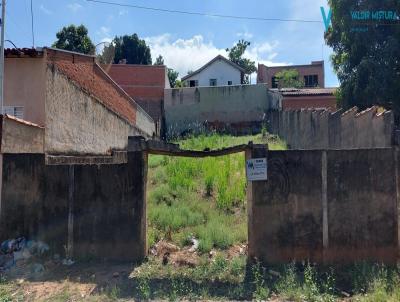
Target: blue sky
[[185, 41]]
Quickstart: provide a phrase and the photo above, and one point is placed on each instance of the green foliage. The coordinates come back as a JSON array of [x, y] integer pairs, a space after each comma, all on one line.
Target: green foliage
[[159, 60], [236, 56], [261, 291], [172, 77], [132, 49], [114, 293], [74, 38], [366, 62], [289, 78]]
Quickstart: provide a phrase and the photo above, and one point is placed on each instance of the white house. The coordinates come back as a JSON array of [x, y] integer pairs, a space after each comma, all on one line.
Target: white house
[[218, 72]]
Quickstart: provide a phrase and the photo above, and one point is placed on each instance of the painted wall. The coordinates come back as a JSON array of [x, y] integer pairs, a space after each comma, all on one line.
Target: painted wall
[[20, 137], [107, 206], [219, 70], [188, 108], [335, 206], [77, 123], [24, 85], [320, 129]]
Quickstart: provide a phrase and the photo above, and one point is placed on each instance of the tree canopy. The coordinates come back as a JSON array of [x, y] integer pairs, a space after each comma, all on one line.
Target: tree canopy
[[74, 38], [289, 78], [366, 55], [132, 49], [159, 60], [172, 76], [236, 56]]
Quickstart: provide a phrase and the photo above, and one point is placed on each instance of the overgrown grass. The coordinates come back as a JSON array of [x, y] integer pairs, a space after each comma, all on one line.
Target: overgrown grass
[[204, 198]]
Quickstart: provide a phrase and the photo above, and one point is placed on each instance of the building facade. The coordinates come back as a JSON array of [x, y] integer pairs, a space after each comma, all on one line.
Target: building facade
[[218, 72], [312, 74], [78, 106]]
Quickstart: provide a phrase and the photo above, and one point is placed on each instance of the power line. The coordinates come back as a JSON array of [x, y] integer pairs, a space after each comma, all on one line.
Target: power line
[[201, 14], [33, 33]]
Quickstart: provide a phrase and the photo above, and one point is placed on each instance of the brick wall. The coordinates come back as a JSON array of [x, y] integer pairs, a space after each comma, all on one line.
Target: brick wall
[[144, 83], [265, 73], [309, 101]]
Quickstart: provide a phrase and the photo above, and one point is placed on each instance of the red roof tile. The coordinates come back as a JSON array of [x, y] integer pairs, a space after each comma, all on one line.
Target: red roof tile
[[83, 70]]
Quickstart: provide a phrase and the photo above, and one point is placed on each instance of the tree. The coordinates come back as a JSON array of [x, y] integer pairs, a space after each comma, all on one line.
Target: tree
[[179, 84], [74, 38], [159, 60], [236, 56], [132, 49], [172, 76], [366, 57], [289, 78]]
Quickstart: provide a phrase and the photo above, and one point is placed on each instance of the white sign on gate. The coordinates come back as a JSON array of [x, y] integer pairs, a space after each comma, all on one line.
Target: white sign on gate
[[256, 169]]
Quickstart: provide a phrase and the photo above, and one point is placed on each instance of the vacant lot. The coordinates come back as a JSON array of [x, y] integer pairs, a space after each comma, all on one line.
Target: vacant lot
[[197, 234], [202, 199]]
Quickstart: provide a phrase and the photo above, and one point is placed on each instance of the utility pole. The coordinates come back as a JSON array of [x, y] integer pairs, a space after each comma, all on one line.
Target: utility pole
[[2, 24]]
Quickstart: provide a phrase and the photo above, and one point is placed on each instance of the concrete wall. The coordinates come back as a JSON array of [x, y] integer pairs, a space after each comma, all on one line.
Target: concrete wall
[[325, 206], [24, 85], [96, 211], [78, 123], [219, 70], [147, 126], [187, 108], [19, 136], [320, 129]]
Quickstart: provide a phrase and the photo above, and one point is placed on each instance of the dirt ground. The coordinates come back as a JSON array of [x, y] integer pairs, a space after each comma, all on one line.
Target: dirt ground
[[54, 281]]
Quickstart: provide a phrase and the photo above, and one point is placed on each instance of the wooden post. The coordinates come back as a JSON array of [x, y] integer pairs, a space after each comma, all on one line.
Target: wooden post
[[254, 192]]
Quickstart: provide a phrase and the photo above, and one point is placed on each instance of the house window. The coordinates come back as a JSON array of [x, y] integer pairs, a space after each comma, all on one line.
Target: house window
[[311, 80], [274, 82], [229, 83], [17, 111], [213, 82], [193, 83]]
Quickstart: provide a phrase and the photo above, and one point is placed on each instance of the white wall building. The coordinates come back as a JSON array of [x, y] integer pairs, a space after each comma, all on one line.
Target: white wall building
[[218, 72]]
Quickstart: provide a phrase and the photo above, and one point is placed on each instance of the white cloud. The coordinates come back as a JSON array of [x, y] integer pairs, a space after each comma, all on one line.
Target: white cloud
[[245, 35], [45, 10], [74, 7], [122, 12], [190, 54]]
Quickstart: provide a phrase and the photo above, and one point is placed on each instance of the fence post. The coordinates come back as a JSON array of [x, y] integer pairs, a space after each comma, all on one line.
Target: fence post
[[254, 192]]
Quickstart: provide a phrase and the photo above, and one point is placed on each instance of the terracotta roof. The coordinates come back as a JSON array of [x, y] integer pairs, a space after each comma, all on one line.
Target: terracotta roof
[[305, 91], [84, 71], [23, 52], [219, 57]]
